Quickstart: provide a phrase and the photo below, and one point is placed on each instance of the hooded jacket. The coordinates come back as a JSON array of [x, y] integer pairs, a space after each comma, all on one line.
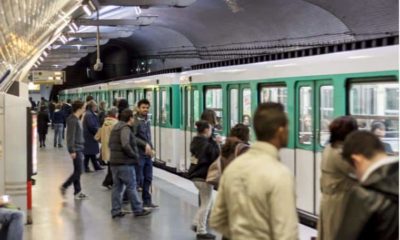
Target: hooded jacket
[[103, 136], [372, 209], [123, 146], [204, 152]]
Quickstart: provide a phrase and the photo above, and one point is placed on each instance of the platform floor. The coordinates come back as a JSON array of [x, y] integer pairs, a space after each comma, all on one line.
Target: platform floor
[[55, 219]]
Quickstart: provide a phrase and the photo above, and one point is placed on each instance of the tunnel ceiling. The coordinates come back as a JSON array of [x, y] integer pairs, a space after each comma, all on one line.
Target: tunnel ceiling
[[186, 32]]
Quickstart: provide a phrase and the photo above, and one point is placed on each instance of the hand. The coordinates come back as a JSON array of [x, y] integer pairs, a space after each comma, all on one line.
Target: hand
[[148, 150], [218, 139], [73, 156]]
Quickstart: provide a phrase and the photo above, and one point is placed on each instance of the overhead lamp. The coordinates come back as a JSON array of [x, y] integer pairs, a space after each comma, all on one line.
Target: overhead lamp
[[138, 10], [45, 54], [87, 10], [63, 39], [41, 59], [73, 27]]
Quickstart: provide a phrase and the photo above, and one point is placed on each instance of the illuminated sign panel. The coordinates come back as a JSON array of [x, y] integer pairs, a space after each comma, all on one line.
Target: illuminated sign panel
[[48, 77]]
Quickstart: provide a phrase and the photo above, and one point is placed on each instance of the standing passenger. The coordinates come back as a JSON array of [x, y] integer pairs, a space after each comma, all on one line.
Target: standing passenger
[[335, 178], [123, 158], [236, 144], [43, 125], [372, 209], [256, 196], [58, 122], [145, 167], [67, 110], [204, 152], [90, 128], [75, 144]]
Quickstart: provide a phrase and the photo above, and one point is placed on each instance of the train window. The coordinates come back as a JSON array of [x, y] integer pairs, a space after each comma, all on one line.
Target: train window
[[131, 101], [305, 119], [214, 102], [246, 117], [188, 108], [164, 107], [149, 96], [234, 106], [325, 113], [376, 105], [274, 94], [196, 105]]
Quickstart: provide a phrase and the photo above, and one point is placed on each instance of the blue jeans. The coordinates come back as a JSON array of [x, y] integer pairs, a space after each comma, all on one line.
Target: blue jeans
[[124, 175], [147, 171], [75, 178], [58, 129], [12, 224]]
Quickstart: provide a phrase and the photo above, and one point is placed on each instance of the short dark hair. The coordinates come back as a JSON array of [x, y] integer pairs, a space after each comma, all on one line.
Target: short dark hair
[[210, 116], [240, 131], [268, 118], [89, 98], [377, 125], [202, 125], [362, 142], [69, 101], [126, 115], [340, 128], [76, 105], [143, 102]]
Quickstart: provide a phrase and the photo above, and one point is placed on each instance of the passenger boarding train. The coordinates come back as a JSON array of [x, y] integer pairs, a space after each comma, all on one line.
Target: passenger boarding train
[[314, 90]]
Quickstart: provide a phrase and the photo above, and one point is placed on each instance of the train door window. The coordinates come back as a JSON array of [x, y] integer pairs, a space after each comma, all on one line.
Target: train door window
[[196, 105], [188, 108], [375, 105], [325, 113], [274, 94], [213, 101], [234, 106], [246, 112], [149, 96], [164, 107], [130, 98], [305, 115]]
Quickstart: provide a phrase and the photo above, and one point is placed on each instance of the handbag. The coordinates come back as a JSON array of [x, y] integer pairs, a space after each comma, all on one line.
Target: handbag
[[214, 172]]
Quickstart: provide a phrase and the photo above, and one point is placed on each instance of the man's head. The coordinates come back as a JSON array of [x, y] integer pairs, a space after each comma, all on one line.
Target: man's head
[[89, 98], [271, 124], [361, 149], [92, 105], [127, 116], [378, 128], [240, 131], [78, 107], [143, 107], [112, 112]]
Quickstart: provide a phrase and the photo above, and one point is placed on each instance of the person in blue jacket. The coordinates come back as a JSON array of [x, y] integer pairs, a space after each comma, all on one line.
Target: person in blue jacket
[[90, 126]]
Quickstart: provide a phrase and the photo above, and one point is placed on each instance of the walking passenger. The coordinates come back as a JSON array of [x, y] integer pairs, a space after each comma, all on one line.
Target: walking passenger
[[90, 128], [236, 144], [102, 112], [145, 168], [103, 135], [372, 209], [67, 110], [336, 181], [124, 156], [204, 152], [256, 196], [75, 145], [58, 122], [43, 125]]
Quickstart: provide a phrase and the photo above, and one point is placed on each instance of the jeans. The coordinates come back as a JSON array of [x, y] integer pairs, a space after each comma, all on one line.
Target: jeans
[[124, 175], [147, 173], [12, 224], [108, 180], [200, 219], [75, 178], [58, 129], [94, 161]]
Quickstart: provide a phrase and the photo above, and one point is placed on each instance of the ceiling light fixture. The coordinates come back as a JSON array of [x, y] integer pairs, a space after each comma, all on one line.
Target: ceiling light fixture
[[87, 10]]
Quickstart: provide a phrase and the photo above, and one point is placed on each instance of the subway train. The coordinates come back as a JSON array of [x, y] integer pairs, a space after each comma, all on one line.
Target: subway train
[[313, 89]]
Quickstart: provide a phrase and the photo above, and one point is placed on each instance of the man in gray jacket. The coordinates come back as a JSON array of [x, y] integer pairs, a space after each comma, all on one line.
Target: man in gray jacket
[[75, 144], [123, 158]]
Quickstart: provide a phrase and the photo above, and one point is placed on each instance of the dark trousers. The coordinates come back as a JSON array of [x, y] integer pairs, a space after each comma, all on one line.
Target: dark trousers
[[42, 138], [75, 178], [108, 181], [94, 161], [147, 172]]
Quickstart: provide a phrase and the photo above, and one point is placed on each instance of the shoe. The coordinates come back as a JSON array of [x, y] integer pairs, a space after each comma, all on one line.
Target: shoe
[[151, 206], [118, 215], [144, 212], [193, 228], [88, 170], [55, 145], [63, 191], [205, 236], [59, 145], [107, 186], [99, 168], [80, 196]]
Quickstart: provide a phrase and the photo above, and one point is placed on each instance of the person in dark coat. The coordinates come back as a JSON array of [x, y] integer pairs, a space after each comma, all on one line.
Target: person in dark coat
[[52, 108], [67, 110], [58, 123], [43, 125], [372, 208], [90, 127]]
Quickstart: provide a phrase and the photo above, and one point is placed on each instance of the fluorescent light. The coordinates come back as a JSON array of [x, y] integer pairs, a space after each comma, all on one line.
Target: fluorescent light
[[138, 10], [233, 70], [87, 10], [359, 57], [45, 54], [285, 65], [41, 58]]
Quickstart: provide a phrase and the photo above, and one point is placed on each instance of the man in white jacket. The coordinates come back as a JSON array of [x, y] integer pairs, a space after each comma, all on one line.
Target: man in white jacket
[[256, 196]]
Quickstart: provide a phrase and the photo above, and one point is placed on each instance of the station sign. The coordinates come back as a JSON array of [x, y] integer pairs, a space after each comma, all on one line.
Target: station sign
[[47, 77]]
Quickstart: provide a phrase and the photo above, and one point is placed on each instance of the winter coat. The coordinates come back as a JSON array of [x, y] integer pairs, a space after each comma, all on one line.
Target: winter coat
[[336, 184], [123, 145], [204, 152], [90, 128], [58, 117], [372, 209], [43, 122], [142, 129], [103, 136]]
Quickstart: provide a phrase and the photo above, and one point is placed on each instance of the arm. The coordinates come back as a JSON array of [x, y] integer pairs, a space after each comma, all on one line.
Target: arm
[[219, 219], [97, 137], [283, 215], [71, 128], [212, 151], [125, 142]]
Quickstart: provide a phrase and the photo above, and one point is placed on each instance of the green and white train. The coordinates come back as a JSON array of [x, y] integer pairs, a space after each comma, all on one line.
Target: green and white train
[[313, 89]]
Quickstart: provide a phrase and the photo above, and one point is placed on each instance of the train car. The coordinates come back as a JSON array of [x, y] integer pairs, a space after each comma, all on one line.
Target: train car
[[314, 90]]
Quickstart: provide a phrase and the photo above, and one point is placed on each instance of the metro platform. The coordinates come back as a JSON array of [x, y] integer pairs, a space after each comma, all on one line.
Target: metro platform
[[58, 219]]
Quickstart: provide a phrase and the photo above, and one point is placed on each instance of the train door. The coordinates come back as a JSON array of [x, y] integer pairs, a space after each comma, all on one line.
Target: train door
[[314, 113], [152, 98], [130, 98], [239, 105], [157, 123]]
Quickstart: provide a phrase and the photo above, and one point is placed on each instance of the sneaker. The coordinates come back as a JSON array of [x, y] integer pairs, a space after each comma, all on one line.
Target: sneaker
[[109, 187], [63, 191], [144, 212], [99, 168], [150, 206], [80, 196], [59, 145], [118, 215], [205, 236], [193, 228]]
